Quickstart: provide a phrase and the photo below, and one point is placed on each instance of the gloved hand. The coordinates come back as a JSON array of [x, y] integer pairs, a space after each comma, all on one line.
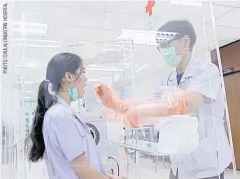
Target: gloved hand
[[107, 96]]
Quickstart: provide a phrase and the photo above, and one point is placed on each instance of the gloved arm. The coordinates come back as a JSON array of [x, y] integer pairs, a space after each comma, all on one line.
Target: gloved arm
[[135, 113]]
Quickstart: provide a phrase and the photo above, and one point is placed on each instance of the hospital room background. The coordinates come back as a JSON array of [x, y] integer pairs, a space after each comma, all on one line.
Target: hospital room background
[[117, 42]]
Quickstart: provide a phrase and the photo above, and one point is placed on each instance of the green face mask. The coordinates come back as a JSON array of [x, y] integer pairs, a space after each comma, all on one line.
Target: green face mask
[[171, 57]]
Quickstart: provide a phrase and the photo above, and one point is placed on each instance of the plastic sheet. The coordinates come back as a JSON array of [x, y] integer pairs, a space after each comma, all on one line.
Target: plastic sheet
[[152, 97]]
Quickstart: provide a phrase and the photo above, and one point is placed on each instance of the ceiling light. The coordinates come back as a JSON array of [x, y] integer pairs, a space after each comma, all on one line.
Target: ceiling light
[[187, 2], [40, 46], [30, 28], [24, 64], [35, 40]]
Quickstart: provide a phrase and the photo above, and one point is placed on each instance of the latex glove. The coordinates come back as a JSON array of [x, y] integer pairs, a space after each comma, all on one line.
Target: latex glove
[[107, 96], [129, 119], [177, 102], [171, 103]]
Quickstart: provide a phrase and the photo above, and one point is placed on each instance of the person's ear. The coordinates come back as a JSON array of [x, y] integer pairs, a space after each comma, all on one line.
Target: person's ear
[[186, 42], [68, 77]]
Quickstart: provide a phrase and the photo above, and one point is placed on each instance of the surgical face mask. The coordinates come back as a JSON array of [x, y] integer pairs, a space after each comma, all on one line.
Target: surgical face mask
[[73, 94], [171, 57]]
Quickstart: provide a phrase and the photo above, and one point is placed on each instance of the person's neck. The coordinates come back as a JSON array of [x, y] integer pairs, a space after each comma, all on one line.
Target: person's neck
[[65, 97], [183, 64]]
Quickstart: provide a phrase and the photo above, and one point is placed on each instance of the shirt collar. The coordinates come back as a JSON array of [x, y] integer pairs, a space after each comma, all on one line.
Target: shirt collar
[[191, 68], [60, 100]]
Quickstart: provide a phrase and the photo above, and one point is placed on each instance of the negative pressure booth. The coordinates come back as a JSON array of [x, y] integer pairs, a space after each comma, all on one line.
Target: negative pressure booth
[[152, 59]]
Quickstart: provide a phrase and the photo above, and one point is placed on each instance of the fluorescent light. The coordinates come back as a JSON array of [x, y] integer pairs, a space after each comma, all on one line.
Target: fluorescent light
[[30, 28], [36, 43], [187, 2], [41, 46], [35, 40], [24, 64]]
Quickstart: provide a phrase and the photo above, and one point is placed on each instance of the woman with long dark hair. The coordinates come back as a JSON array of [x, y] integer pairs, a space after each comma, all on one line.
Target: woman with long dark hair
[[58, 134]]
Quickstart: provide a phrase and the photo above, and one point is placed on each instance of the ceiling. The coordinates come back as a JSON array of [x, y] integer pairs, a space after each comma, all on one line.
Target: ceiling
[[91, 30]]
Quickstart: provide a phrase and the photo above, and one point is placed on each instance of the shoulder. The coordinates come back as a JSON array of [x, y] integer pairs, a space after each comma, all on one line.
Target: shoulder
[[207, 68], [58, 111]]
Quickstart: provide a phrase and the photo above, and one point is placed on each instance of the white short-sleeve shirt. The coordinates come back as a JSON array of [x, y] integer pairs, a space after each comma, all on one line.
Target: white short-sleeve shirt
[[214, 153], [66, 137]]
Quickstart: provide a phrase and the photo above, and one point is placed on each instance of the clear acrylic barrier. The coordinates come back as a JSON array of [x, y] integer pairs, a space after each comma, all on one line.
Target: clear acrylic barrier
[[167, 98]]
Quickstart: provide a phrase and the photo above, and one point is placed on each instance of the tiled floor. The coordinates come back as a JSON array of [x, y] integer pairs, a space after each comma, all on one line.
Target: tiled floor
[[146, 171]]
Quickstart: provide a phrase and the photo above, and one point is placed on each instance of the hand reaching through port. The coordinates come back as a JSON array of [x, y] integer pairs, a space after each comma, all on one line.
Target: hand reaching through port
[[107, 96], [135, 112]]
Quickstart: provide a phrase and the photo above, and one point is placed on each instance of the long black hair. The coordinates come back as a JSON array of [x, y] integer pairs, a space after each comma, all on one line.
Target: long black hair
[[56, 69]]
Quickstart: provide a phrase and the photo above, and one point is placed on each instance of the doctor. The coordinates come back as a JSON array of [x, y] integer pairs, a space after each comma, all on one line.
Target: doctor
[[202, 83], [197, 92], [58, 134]]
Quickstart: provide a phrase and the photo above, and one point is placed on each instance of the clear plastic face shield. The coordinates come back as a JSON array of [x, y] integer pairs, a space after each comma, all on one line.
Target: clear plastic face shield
[[154, 101]]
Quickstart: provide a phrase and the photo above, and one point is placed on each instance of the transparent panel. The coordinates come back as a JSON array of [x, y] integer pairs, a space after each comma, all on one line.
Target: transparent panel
[[147, 101]]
